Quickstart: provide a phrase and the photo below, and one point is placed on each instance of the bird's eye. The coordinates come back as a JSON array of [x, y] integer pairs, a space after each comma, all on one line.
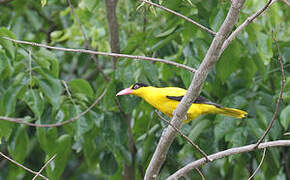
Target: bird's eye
[[136, 86]]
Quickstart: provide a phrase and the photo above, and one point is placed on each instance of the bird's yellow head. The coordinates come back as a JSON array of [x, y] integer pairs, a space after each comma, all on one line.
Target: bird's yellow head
[[136, 89]]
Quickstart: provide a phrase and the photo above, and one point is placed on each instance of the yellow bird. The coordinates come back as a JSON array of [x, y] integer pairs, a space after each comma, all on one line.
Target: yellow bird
[[166, 100]]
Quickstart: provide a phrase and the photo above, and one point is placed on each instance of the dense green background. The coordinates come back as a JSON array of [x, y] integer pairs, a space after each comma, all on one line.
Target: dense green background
[[97, 145]]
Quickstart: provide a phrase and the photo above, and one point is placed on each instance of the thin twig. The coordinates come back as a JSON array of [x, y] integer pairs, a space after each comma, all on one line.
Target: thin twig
[[244, 24], [87, 43], [200, 173], [280, 95], [180, 15], [103, 53], [20, 165], [42, 168], [225, 153], [262, 160], [22, 120], [184, 136]]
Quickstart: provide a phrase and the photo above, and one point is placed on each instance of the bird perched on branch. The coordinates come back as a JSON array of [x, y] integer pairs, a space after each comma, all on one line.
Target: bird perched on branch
[[166, 100]]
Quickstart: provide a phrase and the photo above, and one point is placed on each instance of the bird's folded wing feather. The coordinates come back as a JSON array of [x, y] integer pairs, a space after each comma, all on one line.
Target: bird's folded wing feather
[[199, 100]]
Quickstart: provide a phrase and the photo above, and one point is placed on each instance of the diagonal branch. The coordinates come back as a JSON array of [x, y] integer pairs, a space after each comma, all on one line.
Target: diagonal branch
[[104, 53], [184, 136], [280, 95], [180, 15], [200, 75], [244, 24], [22, 120], [42, 168], [20, 165], [237, 150]]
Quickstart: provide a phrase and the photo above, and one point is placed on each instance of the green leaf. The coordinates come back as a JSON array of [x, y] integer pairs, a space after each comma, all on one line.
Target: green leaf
[[91, 149], [163, 41], [218, 19], [285, 117], [91, 4], [9, 98], [114, 130], [35, 21], [224, 126], [57, 166], [238, 137], [35, 102], [6, 44], [108, 163], [6, 68], [52, 89], [82, 125], [166, 33], [109, 101], [134, 42], [249, 69], [265, 47], [229, 61], [47, 60], [81, 86], [150, 70], [264, 115], [187, 76], [240, 172], [47, 139], [19, 144], [254, 127]]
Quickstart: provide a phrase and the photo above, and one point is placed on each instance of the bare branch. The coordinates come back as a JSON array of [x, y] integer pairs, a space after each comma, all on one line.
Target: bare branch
[[20, 165], [244, 24], [184, 136], [262, 160], [225, 153], [22, 120], [280, 95], [180, 15], [103, 53], [200, 75], [42, 168]]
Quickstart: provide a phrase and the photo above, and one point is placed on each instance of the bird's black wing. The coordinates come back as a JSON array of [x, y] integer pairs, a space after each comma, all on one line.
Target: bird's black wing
[[199, 100]]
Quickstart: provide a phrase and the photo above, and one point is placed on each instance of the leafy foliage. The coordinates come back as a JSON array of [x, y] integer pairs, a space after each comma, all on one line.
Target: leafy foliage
[[47, 87]]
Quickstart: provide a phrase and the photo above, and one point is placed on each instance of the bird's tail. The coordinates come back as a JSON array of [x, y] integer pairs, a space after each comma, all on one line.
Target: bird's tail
[[233, 112]]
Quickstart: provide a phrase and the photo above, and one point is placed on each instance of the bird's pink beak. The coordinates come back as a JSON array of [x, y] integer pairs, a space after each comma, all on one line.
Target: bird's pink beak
[[125, 92]]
